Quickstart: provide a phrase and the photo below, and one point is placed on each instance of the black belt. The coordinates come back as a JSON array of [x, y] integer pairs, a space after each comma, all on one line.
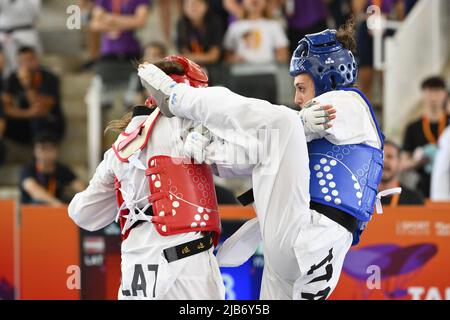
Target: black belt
[[343, 218], [185, 249], [188, 249], [346, 220]]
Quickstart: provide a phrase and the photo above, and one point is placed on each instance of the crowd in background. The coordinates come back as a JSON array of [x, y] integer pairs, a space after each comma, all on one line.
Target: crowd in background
[[240, 43]]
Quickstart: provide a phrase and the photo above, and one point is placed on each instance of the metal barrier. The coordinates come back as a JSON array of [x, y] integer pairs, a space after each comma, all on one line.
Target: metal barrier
[[94, 112]]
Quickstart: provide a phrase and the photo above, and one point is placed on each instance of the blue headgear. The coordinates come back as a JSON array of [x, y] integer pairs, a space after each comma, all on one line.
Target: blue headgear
[[323, 57]]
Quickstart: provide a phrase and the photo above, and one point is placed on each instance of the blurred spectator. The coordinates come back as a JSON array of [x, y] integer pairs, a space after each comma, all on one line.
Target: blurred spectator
[[18, 28], [236, 8], [390, 179], [92, 37], [2, 114], [304, 17], [421, 136], [259, 41], [165, 8], [31, 100], [394, 10], [440, 177], [340, 11], [199, 33], [154, 51], [117, 21], [217, 7], [448, 103], [256, 38], [45, 180], [2, 131], [136, 94]]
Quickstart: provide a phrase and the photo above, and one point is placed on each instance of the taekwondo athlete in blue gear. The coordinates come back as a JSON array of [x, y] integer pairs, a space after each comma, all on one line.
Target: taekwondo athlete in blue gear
[[355, 169]]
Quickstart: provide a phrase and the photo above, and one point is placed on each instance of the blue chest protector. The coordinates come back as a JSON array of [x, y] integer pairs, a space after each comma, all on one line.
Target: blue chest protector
[[346, 177]]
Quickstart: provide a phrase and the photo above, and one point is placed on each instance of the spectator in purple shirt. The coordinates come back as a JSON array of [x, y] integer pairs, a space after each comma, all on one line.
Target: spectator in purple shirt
[[117, 21], [304, 17]]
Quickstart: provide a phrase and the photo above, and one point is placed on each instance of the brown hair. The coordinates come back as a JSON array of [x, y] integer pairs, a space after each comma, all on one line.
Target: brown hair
[[393, 144], [346, 34], [119, 125], [169, 67]]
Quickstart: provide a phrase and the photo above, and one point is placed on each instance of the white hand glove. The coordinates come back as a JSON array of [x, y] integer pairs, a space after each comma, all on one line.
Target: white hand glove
[[315, 118], [158, 84], [195, 146]]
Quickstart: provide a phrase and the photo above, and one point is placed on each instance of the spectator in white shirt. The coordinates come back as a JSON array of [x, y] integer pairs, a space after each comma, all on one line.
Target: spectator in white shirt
[[256, 38], [259, 42], [18, 29]]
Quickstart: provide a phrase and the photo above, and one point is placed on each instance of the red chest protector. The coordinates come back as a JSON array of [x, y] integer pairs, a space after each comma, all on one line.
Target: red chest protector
[[182, 193]]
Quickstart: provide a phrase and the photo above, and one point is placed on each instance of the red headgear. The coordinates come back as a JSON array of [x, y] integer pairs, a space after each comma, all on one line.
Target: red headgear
[[193, 75]]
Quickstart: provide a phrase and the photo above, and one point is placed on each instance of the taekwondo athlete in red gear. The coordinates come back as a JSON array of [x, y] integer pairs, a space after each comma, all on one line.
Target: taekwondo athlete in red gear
[[166, 205]]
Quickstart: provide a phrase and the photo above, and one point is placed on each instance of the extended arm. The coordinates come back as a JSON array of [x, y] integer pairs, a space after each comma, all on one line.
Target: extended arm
[[96, 207], [39, 193], [103, 21]]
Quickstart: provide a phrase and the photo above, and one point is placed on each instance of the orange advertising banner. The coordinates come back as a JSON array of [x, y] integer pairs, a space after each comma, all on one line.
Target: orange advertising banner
[[49, 254], [403, 254], [7, 234]]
